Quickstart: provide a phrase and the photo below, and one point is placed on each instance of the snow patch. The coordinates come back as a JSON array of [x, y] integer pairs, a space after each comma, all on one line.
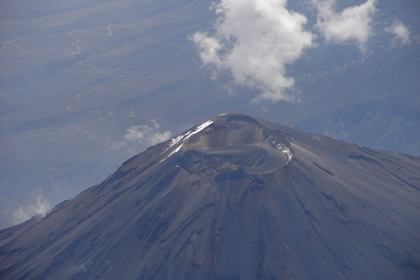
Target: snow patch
[[181, 139], [285, 150], [176, 150]]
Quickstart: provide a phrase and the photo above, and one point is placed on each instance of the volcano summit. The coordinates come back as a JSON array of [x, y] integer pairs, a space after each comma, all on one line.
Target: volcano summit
[[233, 198]]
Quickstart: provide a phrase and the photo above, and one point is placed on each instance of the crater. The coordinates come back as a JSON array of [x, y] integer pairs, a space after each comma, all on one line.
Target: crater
[[230, 143]]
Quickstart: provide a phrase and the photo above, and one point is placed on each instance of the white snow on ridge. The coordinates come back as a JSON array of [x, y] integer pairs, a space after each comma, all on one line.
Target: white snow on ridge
[[176, 150], [182, 138], [200, 128], [175, 141], [285, 150]]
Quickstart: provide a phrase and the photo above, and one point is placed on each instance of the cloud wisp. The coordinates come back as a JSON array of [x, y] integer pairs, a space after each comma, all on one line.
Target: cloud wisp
[[352, 24], [149, 134], [40, 207], [401, 32], [254, 41]]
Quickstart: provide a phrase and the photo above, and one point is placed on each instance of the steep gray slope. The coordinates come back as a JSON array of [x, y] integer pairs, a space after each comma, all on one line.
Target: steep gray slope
[[233, 198]]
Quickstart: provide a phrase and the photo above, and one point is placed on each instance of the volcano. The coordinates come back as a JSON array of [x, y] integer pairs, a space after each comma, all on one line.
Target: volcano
[[233, 198]]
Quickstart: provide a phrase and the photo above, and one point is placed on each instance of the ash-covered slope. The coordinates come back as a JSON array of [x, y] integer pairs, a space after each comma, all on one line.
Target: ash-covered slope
[[233, 198]]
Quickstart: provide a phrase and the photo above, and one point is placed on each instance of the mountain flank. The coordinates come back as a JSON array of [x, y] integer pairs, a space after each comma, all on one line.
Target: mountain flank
[[233, 198]]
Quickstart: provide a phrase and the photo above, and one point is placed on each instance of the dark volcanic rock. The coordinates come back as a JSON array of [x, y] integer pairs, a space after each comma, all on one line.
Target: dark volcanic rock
[[233, 198]]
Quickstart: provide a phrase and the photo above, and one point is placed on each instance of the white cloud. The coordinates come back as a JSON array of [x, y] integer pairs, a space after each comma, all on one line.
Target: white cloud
[[400, 31], [351, 24], [39, 207], [254, 41], [146, 133]]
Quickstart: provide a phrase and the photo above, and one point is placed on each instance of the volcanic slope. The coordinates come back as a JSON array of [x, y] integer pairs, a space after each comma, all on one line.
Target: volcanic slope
[[233, 198]]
